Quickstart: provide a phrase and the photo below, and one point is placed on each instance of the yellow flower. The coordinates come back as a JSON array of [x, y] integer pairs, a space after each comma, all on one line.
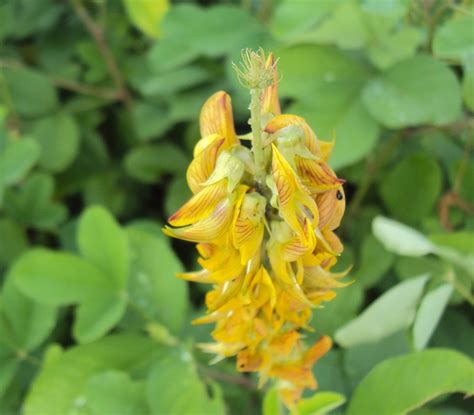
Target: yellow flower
[[266, 243]]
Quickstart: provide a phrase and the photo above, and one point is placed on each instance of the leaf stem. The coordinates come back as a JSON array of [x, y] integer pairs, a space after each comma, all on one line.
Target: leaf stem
[[256, 125]]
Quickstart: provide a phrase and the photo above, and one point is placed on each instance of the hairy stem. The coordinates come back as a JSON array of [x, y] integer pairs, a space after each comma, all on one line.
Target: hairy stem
[[256, 125]]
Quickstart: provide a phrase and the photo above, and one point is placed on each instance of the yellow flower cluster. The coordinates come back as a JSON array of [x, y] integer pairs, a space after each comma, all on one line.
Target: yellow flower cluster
[[266, 247]]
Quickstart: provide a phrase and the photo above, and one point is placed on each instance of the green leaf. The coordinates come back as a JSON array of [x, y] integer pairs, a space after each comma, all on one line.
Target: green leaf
[[395, 47], [397, 306], [320, 403], [148, 163], [416, 91], [401, 239], [58, 137], [96, 316], [374, 262], [32, 203], [153, 285], [16, 159], [454, 39], [113, 392], [74, 280], [190, 31], [414, 380], [147, 15], [188, 394], [12, 240], [427, 318], [361, 359], [461, 241], [30, 321], [411, 189], [271, 403], [327, 85], [150, 121], [468, 86], [31, 92], [61, 385], [102, 242]]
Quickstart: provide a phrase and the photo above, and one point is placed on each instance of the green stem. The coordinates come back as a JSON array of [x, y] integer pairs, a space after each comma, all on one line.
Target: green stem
[[257, 144]]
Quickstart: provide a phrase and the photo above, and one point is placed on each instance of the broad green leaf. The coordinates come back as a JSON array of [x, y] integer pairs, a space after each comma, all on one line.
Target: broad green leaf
[[62, 384], [16, 159], [461, 241], [416, 91], [427, 318], [361, 359], [187, 395], [190, 31], [391, 312], [293, 19], [147, 15], [468, 86], [399, 385], [148, 163], [102, 242], [327, 85], [320, 403], [12, 240], [339, 311], [153, 286], [57, 278], [150, 121], [95, 317], [410, 267], [271, 404], [31, 92], [8, 367], [394, 47], [374, 261], [113, 392], [330, 373], [454, 39], [401, 239], [31, 322], [411, 189], [58, 137]]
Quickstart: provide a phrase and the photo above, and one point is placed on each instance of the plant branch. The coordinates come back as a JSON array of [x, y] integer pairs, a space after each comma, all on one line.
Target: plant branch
[[228, 378], [97, 33]]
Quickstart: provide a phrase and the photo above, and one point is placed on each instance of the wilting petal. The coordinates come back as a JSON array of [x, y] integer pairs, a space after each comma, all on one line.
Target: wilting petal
[[216, 118], [318, 350], [204, 162], [200, 205], [248, 361], [270, 102], [317, 176], [285, 120], [331, 205], [209, 229]]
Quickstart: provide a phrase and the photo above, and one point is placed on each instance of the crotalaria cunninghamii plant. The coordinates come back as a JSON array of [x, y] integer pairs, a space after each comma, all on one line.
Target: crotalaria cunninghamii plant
[[263, 220]]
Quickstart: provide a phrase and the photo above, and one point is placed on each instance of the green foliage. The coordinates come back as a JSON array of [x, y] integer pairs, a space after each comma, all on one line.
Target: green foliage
[[96, 133]]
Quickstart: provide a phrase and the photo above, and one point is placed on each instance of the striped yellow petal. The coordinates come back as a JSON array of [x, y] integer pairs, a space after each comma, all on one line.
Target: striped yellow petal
[[216, 118], [200, 205], [270, 101], [317, 176]]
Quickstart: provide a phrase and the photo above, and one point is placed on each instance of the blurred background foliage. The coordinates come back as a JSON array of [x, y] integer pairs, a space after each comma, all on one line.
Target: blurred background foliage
[[98, 118]]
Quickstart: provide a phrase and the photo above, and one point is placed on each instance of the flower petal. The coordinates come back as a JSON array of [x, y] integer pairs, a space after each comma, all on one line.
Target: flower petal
[[204, 163], [317, 176], [331, 205], [284, 120], [200, 205], [270, 101], [216, 118]]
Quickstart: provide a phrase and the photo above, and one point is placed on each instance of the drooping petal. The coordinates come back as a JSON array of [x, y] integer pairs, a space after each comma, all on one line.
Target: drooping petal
[[270, 101], [216, 118], [331, 205], [204, 162], [285, 120], [202, 276], [317, 176], [209, 229], [200, 205]]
